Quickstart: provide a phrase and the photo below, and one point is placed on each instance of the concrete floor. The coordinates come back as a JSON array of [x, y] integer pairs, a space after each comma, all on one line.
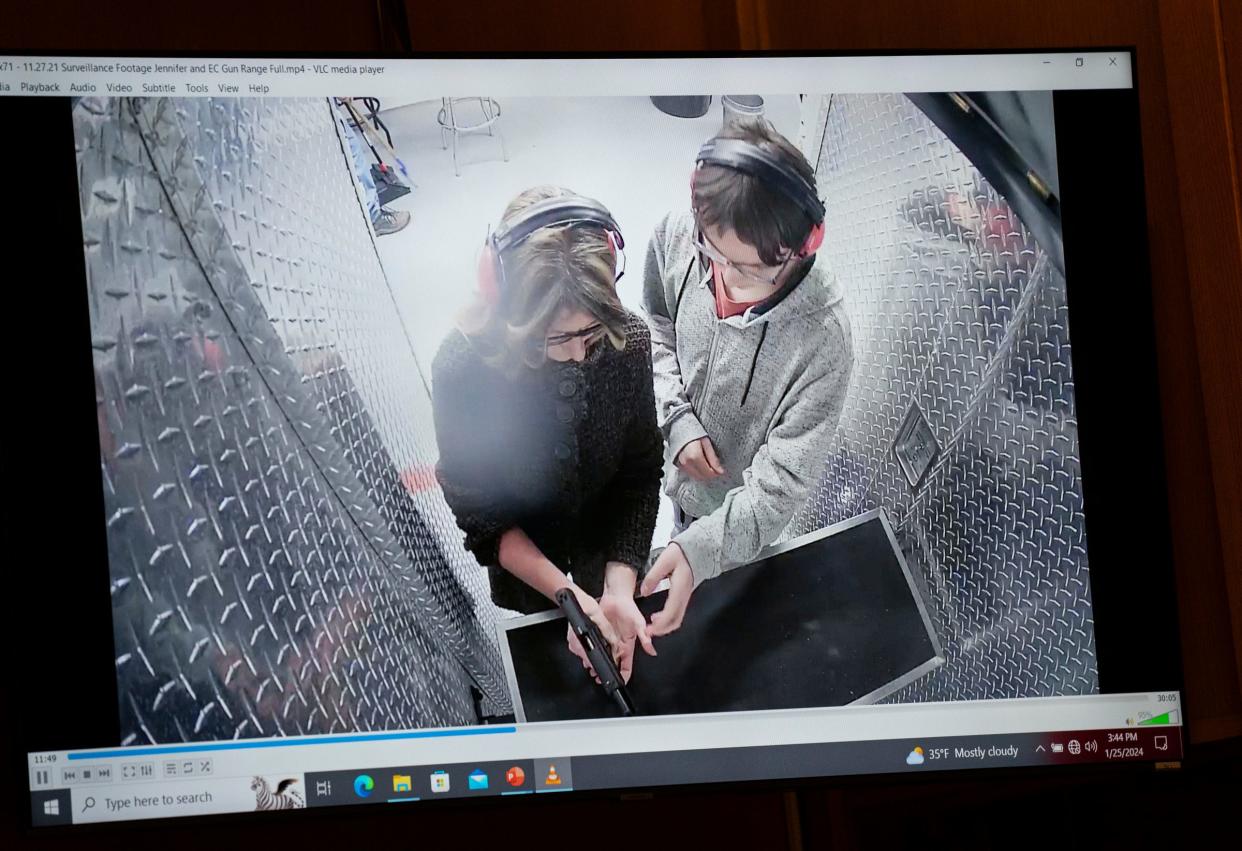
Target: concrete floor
[[622, 151]]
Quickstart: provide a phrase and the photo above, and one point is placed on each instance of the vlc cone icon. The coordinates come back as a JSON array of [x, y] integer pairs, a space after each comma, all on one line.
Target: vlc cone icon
[[554, 779]]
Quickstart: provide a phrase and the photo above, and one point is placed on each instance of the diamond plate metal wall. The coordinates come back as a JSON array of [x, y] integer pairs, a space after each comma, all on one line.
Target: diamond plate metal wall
[[258, 399], [955, 308]]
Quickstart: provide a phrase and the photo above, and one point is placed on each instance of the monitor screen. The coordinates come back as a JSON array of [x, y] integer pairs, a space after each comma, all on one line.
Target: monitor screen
[[466, 427]]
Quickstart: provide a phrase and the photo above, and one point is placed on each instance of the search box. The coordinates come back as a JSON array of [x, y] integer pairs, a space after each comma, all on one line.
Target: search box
[[186, 798]]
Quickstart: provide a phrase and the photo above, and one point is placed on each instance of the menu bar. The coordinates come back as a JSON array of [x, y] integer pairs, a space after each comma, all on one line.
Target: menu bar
[[417, 79]]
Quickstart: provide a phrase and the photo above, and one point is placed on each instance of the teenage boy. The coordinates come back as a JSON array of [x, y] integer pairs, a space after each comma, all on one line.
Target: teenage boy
[[751, 353]]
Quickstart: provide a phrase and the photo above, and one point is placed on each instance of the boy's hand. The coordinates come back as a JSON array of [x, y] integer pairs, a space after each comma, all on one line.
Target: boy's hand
[[671, 563], [697, 459]]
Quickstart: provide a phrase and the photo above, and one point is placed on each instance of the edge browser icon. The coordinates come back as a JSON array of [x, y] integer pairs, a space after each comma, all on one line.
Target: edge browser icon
[[363, 784]]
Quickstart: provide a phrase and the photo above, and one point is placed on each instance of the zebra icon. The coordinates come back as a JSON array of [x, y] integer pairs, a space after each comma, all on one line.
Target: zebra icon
[[284, 798]]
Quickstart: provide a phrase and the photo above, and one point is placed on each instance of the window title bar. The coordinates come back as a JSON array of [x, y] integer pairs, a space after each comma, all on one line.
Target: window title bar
[[418, 79]]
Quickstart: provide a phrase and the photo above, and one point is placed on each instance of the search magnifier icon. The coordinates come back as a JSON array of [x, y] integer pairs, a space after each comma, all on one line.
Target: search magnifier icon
[[88, 803]]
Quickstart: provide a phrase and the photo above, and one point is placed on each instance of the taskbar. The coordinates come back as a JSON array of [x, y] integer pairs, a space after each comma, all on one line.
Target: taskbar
[[839, 759], [409, 784]]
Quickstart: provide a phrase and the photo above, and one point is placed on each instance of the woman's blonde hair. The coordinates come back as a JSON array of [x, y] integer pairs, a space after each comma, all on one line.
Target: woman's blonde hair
[[555, 268]]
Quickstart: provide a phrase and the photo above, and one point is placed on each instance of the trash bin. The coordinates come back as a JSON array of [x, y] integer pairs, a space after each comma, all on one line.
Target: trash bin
[[683, 106], [741, 107]]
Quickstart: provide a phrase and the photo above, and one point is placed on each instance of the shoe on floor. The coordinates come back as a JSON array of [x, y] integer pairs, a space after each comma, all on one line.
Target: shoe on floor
[[390, 221]]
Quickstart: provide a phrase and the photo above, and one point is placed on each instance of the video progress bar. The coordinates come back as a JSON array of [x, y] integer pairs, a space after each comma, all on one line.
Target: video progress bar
[[290, 743]]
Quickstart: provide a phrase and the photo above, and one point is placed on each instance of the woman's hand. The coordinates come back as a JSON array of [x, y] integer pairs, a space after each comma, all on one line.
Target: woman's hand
[[519, 555], [591, 608], [621, 609]]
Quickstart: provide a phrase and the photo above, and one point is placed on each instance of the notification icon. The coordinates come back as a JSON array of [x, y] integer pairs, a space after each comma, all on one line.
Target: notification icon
[[515, 776]]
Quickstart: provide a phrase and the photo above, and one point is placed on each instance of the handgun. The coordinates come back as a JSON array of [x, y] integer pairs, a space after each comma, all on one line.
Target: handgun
[[597, 649]]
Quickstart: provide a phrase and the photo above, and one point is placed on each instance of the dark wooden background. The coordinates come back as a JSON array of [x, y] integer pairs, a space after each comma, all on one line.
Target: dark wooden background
[[1190, 82]]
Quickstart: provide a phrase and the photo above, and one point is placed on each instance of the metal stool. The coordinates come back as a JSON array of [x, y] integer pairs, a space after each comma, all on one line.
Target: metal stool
[[447, 119]]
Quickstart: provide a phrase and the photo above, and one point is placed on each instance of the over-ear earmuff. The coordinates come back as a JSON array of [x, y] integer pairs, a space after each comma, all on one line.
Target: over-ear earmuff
[[489, 287], [572, 210], [751, 159], [813, 240]]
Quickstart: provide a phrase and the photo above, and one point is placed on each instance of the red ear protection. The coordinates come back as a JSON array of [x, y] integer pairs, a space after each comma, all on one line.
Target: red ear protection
[[814, 240], [489, 288]]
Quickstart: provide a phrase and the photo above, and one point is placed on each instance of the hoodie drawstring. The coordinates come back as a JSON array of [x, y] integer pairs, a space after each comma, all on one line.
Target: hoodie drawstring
[[763, 333], [681, 289]]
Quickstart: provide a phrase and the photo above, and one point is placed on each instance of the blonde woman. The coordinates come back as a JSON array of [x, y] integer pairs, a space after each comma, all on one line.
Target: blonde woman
[[550, 456]]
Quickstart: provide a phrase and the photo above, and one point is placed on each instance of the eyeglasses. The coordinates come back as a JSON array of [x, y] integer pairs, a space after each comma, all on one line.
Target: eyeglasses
[[590, 335], [746, 270]]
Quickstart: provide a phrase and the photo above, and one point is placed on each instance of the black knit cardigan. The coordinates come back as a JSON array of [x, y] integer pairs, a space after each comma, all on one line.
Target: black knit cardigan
[[568, 452]]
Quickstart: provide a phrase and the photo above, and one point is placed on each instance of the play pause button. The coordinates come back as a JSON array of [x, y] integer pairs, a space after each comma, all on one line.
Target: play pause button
[[40, 778]]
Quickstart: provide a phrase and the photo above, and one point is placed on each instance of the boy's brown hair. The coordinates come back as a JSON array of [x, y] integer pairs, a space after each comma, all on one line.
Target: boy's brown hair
[[759, 214]]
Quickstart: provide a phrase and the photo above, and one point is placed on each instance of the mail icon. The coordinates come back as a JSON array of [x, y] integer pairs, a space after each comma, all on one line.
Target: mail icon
[[401, 783], [477, 779]]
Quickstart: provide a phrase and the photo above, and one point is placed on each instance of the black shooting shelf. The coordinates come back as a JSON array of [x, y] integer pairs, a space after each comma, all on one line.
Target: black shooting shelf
[[827, 619]]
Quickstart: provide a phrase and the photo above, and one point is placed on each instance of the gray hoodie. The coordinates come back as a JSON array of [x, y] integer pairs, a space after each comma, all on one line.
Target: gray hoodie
[[766, 386]]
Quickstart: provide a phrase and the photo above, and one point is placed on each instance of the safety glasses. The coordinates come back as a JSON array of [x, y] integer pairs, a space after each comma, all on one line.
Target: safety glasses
[[750, 271], [590, 335]]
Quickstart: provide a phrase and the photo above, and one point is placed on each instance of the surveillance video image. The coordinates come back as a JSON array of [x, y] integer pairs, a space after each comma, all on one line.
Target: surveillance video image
[[481, 409]]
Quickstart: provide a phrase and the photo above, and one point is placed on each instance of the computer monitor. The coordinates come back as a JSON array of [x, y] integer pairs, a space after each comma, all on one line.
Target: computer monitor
[[824, 384]]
